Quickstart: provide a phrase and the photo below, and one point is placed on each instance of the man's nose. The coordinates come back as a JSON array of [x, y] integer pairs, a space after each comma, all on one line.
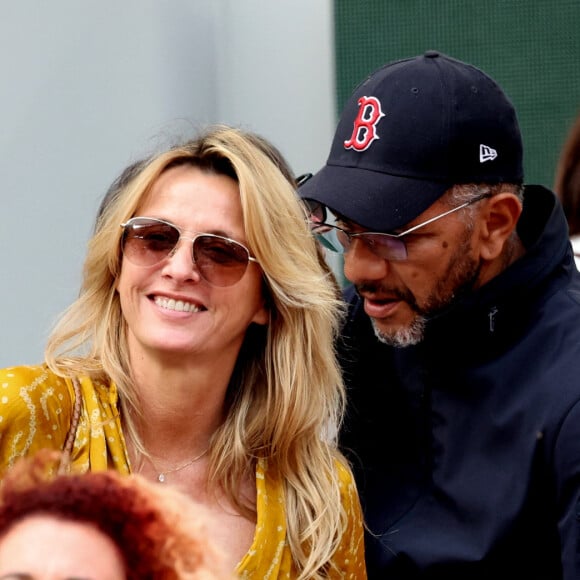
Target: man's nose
[[362, 264]]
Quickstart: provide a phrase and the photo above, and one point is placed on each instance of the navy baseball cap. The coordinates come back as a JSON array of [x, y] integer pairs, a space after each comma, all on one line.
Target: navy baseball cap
[[410, 131]]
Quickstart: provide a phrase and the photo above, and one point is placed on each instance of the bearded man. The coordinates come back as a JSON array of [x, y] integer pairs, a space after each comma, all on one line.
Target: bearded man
[[461, 350]]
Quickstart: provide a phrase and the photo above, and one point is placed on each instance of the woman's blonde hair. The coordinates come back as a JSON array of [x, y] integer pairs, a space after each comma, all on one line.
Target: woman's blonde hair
[[286, 397]]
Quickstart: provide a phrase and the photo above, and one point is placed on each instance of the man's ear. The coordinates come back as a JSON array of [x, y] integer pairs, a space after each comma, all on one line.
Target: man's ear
[[499, 218]]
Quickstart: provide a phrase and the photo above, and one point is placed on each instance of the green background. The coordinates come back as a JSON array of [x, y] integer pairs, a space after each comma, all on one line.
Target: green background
[[530, 47]]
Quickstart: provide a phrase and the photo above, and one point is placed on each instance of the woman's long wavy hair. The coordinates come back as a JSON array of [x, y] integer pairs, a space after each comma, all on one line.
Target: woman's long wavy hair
[[286, 397]]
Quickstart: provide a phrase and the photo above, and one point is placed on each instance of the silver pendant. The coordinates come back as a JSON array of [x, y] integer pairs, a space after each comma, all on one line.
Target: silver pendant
[[161, 478]]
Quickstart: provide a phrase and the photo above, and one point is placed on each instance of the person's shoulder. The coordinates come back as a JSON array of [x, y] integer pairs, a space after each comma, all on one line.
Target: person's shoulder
[[349, 497], [345, 476], [35, 411], [26, 375], [29, 380]]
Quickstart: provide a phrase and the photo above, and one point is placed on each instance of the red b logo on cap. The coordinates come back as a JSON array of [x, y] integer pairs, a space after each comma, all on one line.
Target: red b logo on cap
[[365, 124]]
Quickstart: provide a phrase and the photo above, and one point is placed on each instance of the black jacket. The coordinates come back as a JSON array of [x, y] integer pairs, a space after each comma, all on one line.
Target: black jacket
[[466, 447]]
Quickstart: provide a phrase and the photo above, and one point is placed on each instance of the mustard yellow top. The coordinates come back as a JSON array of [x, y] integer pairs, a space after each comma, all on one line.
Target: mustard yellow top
[[36, 408]]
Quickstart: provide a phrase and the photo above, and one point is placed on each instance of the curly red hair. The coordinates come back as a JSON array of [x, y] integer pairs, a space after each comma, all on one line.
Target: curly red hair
[[158, 531]]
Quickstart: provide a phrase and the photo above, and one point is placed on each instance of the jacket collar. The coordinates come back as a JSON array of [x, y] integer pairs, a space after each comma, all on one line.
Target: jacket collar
[[502, 306]]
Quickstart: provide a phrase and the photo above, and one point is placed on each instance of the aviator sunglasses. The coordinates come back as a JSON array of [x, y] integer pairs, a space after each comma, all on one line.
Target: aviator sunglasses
[[220, 261], [386, 246]]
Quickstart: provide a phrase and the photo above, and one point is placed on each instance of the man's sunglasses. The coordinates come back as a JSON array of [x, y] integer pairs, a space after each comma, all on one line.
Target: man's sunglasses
[[219, 260], [386, 246]]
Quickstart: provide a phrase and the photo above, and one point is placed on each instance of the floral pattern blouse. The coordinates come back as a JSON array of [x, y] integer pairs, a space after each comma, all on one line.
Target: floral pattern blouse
[[36, 409]]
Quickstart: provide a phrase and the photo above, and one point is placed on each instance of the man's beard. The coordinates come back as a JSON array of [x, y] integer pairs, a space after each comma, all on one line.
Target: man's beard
[[459, 280], [402, 337]]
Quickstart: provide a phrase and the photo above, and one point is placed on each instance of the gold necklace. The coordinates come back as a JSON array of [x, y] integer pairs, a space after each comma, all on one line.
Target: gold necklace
[[162, 475]]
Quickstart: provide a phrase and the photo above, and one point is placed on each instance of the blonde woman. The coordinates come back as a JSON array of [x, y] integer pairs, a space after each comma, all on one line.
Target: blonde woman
[[200, 354]]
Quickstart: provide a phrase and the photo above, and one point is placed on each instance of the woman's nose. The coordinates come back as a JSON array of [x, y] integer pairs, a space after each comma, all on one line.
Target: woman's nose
[[179, 264]]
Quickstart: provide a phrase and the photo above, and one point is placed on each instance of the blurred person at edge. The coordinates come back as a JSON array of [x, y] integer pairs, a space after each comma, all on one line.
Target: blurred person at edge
[[201, 354], [567, 185], [461, 352], [101, 526]]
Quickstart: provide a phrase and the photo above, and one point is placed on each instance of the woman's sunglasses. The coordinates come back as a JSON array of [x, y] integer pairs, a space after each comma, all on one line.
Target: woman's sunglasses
[[219, 260]]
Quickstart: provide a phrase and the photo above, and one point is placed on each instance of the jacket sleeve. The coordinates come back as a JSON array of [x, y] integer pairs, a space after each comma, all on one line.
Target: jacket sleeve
[[567, 471], [35, 412]]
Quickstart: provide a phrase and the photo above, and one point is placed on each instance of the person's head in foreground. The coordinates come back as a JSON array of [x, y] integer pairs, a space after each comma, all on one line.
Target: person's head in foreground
[[98, 526], [422, 190]]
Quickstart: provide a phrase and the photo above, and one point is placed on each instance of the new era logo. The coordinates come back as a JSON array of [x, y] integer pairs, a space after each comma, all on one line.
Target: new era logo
[[486, 153]]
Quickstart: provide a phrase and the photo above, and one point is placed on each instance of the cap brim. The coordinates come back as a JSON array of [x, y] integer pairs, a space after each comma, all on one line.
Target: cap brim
[[374, 200]]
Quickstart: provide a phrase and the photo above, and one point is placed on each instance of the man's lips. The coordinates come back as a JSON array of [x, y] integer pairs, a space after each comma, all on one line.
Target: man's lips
[[377, 307]]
